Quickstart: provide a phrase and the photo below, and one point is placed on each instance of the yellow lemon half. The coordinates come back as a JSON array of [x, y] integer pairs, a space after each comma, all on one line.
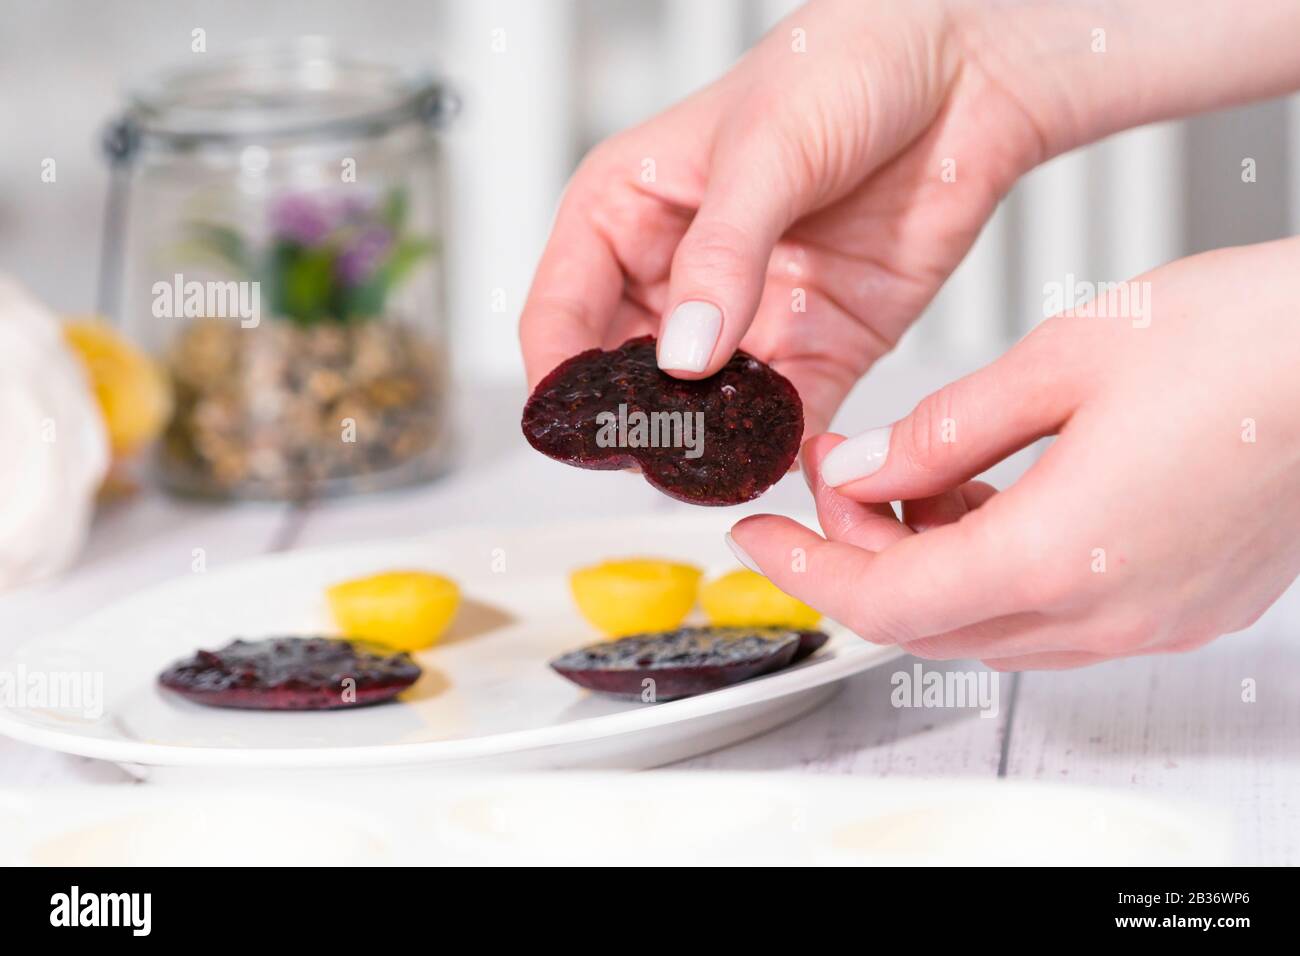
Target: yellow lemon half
[[133, 394], [745, 599], [404, 610], [634, 595]]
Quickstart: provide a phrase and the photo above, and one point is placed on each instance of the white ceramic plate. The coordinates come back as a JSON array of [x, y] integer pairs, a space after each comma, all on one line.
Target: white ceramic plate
[[599, 818], [487, 697]]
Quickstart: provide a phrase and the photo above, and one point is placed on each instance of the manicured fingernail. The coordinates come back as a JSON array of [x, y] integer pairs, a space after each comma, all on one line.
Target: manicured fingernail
[[740, 554], [856, 457], [689, 337]]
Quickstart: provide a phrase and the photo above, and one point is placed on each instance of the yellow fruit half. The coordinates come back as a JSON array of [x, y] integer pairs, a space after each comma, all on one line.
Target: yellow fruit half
[[404, 610], [132, 392], [745, 599], [627, 597]]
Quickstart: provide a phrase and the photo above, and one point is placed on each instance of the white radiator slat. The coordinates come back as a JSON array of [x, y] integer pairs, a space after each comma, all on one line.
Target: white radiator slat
[[976, 307], [1140, 201], [768, 13], [510, 153], [1054, 224], [1293, 162], [702, 40]]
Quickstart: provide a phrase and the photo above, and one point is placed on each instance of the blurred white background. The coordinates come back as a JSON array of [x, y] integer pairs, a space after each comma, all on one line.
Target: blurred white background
[[571, 72]]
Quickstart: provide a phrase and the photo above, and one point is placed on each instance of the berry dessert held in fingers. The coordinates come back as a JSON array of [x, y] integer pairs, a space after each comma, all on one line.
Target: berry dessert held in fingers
[[721, 440]]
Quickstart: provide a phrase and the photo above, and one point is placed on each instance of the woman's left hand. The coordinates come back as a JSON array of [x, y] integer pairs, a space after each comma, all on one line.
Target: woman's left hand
[[1166, 513]]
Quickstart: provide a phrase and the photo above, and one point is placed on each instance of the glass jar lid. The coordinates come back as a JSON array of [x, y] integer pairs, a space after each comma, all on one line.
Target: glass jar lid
[[301, 89]]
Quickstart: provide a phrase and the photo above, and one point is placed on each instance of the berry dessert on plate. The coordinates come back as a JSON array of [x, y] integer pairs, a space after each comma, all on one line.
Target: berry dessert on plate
[[684, 662], [290, 673]]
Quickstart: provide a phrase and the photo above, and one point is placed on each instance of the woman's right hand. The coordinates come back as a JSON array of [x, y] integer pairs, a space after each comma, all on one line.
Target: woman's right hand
[[805, 207]]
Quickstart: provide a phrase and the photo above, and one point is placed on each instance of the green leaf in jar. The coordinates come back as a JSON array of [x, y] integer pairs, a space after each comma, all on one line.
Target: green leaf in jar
[[305, 281], [405, 256], [367, 300]]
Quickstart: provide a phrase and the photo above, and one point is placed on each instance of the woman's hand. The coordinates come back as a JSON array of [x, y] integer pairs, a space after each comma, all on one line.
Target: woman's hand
[[1165, 514], [810, 203], [806, 206]]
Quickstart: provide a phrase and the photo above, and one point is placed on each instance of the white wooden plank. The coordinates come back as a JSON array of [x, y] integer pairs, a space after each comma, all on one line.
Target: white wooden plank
[[860, 732], [1176, 726]]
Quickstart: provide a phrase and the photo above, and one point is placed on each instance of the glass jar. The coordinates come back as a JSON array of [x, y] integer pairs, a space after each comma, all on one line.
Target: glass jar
[[274, 237]]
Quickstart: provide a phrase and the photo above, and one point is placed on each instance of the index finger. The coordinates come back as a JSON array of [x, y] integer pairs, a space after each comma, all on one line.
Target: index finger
[[931, 583], [871, 527], [574, 294]]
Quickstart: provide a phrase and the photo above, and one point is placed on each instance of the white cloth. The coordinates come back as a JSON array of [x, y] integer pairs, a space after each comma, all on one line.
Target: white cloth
[[53, 446]]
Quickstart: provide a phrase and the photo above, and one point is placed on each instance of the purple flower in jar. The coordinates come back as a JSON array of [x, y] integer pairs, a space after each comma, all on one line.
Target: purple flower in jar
[[360, 257], [301, 218]]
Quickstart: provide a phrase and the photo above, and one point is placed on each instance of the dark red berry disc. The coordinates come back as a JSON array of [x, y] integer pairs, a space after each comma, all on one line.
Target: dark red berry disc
[[290, 673], [680, 663], [810, 642], [722, 440]]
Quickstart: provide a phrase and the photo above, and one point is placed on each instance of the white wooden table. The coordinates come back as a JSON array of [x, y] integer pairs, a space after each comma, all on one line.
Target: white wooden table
[[1173, 726]]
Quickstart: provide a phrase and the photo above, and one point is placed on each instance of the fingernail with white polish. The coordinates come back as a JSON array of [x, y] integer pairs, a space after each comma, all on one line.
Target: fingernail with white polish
[[856, 457], [740, 554], [689, 337]]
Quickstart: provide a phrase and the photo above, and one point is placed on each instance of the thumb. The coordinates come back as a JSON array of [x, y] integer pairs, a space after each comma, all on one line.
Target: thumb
[[720, 266], [964, 428]]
